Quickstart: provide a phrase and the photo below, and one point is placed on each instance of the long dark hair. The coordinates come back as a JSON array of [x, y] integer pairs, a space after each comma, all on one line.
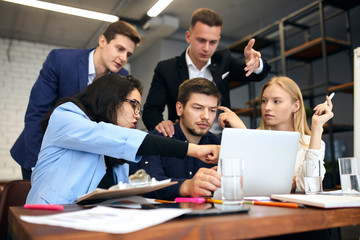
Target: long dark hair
[[100, 100]]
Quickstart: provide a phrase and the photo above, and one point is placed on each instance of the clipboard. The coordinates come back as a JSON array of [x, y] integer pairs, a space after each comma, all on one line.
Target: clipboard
[[100, 195]]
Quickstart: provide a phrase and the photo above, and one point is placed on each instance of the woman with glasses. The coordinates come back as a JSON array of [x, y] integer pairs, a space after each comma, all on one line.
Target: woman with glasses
[[90, 138]]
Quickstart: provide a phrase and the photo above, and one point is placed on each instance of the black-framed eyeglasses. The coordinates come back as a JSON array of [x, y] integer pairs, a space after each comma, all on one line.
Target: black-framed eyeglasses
[[135, 105]]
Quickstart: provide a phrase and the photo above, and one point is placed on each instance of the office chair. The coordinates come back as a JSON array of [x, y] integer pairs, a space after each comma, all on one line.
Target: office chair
[[14, 194]]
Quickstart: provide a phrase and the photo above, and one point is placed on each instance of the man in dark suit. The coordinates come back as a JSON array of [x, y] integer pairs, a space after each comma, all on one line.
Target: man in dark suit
[[199, 60], [65, 73]]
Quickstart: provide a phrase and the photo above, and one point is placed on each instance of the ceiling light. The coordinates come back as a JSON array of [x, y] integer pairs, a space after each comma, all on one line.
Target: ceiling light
[[67, 10], [158, 8]]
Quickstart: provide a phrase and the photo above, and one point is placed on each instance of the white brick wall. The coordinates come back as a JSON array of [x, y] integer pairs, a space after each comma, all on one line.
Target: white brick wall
[[20, 63]]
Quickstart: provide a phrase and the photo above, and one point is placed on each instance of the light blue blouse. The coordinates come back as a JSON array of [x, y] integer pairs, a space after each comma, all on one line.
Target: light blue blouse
[[71, 160]]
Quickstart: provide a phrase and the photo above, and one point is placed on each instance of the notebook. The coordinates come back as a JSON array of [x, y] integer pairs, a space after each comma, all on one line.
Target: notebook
[[269, 159], [320, 200]]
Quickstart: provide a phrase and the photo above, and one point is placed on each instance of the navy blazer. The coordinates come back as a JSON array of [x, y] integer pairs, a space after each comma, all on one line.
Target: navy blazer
[[169, 74], [64, 74]]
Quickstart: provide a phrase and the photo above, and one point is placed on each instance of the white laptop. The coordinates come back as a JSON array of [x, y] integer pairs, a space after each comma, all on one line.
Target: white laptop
[[269, 159]]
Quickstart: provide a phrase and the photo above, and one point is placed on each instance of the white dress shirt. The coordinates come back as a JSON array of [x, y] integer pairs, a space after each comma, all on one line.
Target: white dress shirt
[[204, 72]]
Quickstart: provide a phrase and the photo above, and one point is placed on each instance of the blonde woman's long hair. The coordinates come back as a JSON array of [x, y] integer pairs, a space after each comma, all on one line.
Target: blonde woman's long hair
[[299, 117]]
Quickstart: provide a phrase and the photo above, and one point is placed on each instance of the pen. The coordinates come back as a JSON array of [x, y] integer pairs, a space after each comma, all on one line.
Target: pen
[[275, 204], [330, 97], [190, 199], [163, 201], [55, 207]]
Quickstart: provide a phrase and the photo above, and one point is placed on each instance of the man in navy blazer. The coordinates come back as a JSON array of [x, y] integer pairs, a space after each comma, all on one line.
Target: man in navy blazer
[[199, 60], [65, 73]]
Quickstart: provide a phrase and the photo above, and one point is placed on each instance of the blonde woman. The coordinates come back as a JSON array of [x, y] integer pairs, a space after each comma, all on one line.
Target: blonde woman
[[282, 108]]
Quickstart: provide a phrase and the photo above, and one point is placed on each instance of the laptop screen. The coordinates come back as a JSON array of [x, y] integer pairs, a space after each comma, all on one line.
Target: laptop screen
[[269, 159]]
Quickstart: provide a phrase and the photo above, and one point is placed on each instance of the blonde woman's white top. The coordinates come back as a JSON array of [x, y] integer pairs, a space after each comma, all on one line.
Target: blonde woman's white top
[[306, 154]]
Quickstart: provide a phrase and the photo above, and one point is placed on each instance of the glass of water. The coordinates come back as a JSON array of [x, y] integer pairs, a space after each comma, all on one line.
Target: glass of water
[[349, 169], [232, 173], [312, 177]]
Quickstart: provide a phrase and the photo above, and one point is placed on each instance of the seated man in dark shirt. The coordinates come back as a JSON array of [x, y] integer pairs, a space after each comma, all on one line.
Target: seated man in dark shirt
[[197, 104]]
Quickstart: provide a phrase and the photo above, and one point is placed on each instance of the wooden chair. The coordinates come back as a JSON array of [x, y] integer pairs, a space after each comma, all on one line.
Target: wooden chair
[[14, 194]]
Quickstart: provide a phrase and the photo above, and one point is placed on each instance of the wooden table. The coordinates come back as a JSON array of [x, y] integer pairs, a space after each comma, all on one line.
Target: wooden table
[[261, 221]]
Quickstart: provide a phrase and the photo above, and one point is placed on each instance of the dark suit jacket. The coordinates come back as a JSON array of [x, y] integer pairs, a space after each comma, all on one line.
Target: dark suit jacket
[[64, 74], [169, 74]]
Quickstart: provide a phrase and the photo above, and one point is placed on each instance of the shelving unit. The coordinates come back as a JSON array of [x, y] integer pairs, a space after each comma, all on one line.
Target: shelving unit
[[311, 50], [277, 41]]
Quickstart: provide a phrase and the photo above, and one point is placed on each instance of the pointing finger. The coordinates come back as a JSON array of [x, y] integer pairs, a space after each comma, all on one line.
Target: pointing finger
[[225, 109], [250, 44]]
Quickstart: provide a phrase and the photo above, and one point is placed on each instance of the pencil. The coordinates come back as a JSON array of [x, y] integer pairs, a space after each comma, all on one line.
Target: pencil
[[275, 204], [210, 200], [163, 201]]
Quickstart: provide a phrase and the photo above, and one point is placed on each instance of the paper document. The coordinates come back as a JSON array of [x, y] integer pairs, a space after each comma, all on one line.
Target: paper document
[[257, 198], [106, 219]]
